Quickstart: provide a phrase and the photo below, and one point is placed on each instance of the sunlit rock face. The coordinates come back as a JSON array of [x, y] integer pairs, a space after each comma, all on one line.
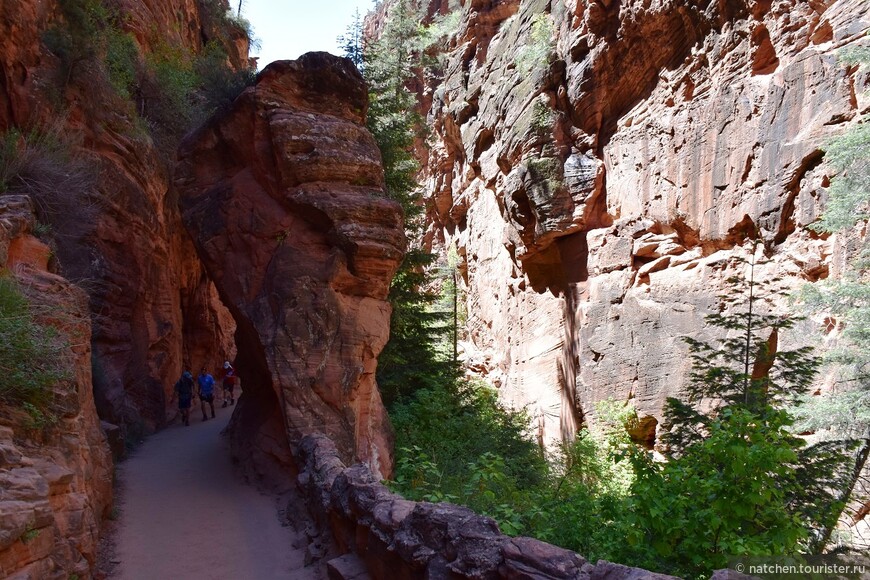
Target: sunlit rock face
[[120, 237], [55, 475], [602, 166], [283, 196]]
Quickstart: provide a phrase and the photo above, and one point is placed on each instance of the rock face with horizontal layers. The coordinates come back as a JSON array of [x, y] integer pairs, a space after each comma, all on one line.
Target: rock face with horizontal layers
[[601, 166], [55, 479], [284, 198], [116, 233]]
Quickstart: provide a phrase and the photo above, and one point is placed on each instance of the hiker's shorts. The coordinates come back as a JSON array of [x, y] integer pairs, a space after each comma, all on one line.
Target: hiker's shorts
[[184, 402], [207, 398]]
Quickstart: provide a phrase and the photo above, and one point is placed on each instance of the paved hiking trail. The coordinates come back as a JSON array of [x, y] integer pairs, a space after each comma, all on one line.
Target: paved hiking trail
[[185, 515]]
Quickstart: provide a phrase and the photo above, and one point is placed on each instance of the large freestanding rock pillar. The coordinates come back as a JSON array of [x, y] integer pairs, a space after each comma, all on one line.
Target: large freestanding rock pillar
[[284, 198]]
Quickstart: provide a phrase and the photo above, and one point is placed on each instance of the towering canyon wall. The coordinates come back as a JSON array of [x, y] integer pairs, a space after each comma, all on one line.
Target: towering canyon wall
[[602, 167], [284, 198], [55, 473], [153, 307]]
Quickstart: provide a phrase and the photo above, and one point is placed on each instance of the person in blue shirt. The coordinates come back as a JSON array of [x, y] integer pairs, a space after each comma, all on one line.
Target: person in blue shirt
[[205, 382]]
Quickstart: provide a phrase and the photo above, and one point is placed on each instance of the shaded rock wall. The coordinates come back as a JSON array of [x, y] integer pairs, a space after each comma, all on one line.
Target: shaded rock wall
[[283, 196], [153, 307], [600, 196], [55, 481], [397, 538]]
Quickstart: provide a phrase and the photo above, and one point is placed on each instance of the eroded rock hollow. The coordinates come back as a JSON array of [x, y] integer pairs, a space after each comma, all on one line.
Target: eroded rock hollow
[[284, 198]]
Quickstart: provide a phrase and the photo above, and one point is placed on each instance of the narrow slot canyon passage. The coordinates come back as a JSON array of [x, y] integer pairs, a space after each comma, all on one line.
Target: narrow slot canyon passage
[[186, 514]]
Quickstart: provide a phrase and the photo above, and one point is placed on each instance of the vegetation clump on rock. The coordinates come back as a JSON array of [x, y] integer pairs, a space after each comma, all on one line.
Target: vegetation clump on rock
[[31, 354]]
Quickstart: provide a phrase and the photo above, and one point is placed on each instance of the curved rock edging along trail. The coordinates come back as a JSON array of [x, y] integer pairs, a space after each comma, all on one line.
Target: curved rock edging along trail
[[399, 538]]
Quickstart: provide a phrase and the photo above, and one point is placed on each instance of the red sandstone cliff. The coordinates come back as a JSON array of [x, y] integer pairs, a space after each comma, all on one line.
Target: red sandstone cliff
[[55, 480], [600, 165], [284, 198], [153, 307], [142, 306]]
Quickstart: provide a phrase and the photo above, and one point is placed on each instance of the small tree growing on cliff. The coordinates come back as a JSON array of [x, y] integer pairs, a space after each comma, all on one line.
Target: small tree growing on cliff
[[737, 482]]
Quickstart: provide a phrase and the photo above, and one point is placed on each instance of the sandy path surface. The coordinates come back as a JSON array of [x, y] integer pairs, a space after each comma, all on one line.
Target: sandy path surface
[[186, 516]]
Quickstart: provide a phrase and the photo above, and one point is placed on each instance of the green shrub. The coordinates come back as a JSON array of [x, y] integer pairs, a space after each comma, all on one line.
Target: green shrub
[[219, 18], [466, 448], [542, 119], [219, 84], [76, 39], [38, 418], [455, 425], [173, 80], [181, 90], [442, 28], [30, 353], [538, 51], [584, 505], [29, 534], [729, 495], [121, 61]]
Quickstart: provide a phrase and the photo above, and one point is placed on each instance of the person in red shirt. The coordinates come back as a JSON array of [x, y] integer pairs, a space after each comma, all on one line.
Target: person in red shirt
[[229, 383]]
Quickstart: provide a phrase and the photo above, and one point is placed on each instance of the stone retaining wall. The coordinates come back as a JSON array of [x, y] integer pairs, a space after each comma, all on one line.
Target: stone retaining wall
[[398, 539]]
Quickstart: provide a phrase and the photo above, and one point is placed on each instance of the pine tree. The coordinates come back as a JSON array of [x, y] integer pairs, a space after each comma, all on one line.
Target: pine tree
[[844, 414], [745, 369], [351, 42], [411, 360], [730, 442]]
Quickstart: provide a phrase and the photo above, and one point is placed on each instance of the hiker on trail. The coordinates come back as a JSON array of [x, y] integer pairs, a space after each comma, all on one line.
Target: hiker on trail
[[229, 383], [184, 392], [205, 383]]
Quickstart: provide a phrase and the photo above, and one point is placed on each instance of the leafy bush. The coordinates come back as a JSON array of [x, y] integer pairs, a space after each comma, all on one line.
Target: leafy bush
[[466, 448], [219, 18], [537, 52], [583, 506], [171, 84], [729, 494], [30, 353], [175, 89], [457, 424], [121, 61], [442, 28], [76, 40], [182, 90], [219, 84]]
